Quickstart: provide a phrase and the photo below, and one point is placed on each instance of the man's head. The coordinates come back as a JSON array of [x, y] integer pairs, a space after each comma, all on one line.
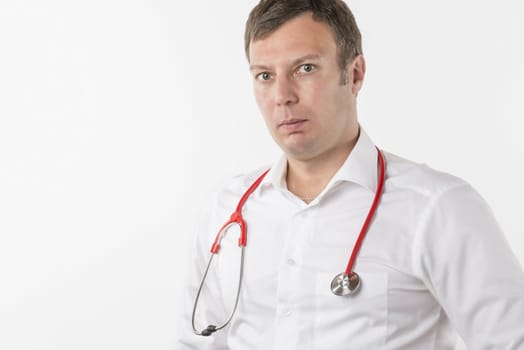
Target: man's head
[[305, 93], [269, 15]]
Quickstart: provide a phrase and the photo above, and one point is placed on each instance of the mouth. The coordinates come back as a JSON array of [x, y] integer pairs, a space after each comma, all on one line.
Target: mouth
[[292, 125]]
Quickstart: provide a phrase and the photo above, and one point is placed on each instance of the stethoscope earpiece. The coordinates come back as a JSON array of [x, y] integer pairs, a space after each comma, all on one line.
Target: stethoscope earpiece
[[209, 330]]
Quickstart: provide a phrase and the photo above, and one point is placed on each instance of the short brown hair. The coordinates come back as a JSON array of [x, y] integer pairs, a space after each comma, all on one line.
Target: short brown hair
[[269, 15]]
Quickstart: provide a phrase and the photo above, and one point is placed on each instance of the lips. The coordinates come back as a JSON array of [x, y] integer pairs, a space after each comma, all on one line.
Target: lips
[[292, 125]]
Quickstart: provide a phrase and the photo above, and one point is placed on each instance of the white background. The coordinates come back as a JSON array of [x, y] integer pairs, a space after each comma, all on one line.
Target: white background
[[117, 118]]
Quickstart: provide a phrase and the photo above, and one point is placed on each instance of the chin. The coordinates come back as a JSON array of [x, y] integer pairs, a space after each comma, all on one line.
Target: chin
[[298, 153]]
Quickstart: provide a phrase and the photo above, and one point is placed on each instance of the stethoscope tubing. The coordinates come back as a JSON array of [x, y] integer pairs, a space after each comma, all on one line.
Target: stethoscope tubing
[[212, 328], [371, 214], [345, 283]]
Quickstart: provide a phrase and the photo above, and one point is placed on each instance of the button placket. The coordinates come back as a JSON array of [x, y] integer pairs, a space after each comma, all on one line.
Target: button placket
[[290, 291]]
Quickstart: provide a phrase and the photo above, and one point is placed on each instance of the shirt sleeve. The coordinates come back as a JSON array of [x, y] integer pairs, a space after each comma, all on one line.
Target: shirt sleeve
[[463, 258], [210, 309]]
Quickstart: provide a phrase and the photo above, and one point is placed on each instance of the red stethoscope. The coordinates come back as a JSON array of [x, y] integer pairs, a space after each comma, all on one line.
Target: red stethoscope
[[345, 283]]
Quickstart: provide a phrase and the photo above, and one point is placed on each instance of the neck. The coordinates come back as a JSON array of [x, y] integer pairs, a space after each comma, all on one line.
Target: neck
[[308, 178]]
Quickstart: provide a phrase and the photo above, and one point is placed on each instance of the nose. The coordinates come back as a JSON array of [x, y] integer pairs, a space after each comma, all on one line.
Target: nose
[[285, 91]]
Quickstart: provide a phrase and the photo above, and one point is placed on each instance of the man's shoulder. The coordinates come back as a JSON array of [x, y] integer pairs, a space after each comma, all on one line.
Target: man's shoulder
[[407, 175]]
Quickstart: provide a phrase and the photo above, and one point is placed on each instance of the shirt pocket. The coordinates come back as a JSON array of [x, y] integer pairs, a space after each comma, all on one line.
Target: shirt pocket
[[350, 322]]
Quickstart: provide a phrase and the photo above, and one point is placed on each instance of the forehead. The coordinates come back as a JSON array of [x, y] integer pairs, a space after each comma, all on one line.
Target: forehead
[[297, 37]]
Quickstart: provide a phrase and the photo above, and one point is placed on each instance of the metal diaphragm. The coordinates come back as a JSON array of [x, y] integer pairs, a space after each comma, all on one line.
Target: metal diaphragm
[[343, 284]]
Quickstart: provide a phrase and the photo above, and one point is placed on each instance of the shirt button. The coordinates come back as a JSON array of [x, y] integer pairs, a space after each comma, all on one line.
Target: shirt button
[[291, 262], [288, 313]]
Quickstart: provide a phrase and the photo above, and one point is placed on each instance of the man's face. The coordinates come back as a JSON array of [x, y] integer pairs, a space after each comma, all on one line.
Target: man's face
[[297, 84]]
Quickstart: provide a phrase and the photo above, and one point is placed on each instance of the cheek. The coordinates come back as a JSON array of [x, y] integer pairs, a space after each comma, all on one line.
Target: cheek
[[330, 96], [316, 97], [263, 101], [317, 85]]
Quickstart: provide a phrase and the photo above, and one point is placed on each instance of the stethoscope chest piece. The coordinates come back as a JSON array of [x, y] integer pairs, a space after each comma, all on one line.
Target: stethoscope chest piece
[[343, 284]]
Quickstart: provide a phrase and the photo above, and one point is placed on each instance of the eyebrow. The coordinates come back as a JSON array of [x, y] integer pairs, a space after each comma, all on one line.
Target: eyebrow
[[293, 63]]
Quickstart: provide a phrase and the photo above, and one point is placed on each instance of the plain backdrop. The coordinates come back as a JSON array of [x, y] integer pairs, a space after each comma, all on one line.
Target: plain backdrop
[[118, 118]]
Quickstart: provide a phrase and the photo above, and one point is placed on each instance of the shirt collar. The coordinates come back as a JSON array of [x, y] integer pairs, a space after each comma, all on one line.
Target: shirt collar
[[360, 167]]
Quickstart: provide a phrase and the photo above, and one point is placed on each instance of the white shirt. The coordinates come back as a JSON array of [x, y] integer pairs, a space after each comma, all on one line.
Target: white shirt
[[434, 261]]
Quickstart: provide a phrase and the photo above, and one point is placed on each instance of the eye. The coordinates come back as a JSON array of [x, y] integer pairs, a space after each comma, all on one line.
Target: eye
[[306, 68], [264, 76]]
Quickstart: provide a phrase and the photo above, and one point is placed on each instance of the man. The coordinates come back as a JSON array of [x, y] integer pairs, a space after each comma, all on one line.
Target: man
[[432, 263]]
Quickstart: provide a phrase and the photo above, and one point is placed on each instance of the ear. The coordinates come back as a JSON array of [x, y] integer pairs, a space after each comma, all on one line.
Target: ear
[[357, 68]]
